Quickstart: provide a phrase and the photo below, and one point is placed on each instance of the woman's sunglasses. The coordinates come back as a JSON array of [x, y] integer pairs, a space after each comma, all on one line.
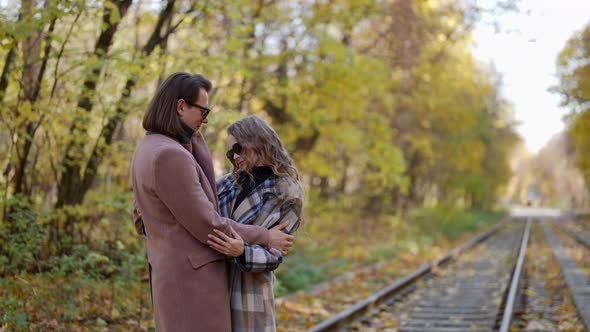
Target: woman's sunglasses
[[235, 149]]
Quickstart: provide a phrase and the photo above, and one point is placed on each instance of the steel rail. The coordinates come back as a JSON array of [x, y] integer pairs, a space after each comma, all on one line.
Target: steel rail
[[348, 315], [511, 300], [575, 279], [576, 236]]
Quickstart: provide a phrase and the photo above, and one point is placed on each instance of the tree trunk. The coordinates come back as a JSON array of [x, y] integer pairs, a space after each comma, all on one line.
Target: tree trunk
[[106, 135], [32, 77], [70, 184], [6, 71]]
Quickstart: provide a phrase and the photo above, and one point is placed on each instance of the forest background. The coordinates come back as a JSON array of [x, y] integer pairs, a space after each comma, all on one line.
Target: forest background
[[402, 138]]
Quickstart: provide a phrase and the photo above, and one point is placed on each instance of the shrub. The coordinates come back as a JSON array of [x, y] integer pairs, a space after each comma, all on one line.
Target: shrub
[[21, 237]]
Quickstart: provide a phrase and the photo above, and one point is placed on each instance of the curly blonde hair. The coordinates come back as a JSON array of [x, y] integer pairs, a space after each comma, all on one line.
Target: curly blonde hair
[[262, 139]]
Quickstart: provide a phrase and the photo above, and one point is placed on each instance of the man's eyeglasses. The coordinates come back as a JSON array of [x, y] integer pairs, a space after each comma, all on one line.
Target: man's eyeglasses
[[204, 110], [235, 149]]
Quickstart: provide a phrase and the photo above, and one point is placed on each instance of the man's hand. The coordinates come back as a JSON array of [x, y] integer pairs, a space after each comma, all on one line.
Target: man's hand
[[226, 245], [280, 240]]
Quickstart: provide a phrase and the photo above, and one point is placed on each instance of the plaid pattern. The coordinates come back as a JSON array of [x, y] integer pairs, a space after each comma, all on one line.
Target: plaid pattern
[[251, 275]]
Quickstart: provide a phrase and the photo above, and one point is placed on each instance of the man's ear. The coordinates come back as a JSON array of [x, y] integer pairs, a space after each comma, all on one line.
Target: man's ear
[[180, 107]]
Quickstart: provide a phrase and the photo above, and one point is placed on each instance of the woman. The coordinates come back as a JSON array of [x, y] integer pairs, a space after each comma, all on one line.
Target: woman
[[264, 189], [175, 207]]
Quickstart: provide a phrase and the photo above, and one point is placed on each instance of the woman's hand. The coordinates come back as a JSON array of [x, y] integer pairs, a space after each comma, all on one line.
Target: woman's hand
[[280, 240], [226, 245]]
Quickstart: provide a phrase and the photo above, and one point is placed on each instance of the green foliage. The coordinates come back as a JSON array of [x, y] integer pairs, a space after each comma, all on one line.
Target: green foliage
[[449, 221], [21, 237], [52, 301], [14, 318], [97, 264], [390, 109], [300, 275], [580, 138], [573, 69], [384, 252]]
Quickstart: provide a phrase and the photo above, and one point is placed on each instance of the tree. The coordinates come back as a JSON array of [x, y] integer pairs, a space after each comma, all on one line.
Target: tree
[[573, 69]]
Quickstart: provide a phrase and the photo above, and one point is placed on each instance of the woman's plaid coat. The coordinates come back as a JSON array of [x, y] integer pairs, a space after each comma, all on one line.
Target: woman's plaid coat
[[276, 200]]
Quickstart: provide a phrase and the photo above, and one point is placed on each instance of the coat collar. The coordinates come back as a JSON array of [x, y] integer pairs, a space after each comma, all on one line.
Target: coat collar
[[200, 151], [188, 137], [198, 148], [248, 209]]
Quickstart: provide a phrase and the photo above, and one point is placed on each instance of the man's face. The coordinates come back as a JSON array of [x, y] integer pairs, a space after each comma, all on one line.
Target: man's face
[[192, 115]]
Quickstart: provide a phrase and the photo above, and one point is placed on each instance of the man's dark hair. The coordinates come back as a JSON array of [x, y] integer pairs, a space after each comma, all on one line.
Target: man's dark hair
[[161, 116]]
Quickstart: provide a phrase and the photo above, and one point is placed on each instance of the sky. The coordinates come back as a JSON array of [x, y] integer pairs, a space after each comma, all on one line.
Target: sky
[[525, 52]]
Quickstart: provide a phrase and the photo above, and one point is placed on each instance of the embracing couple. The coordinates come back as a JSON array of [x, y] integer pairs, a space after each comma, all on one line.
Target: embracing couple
[[212, 245]]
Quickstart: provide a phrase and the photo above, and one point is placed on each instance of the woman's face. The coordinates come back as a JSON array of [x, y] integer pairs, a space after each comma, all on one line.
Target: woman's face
[[192, 115], [246, 159]]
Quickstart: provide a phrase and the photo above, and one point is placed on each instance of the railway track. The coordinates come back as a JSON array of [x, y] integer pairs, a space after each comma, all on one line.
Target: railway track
[[546, 304], [579, 230], [576, 280], [477, 287]]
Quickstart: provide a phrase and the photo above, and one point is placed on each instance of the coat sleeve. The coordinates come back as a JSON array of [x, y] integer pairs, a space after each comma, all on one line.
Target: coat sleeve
[[137, 220], [258, 258], [178, 186], [251, 233]]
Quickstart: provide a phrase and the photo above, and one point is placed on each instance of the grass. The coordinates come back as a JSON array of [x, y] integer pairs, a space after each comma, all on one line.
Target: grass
[[336, 248], [73, 302], [330, 245]]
